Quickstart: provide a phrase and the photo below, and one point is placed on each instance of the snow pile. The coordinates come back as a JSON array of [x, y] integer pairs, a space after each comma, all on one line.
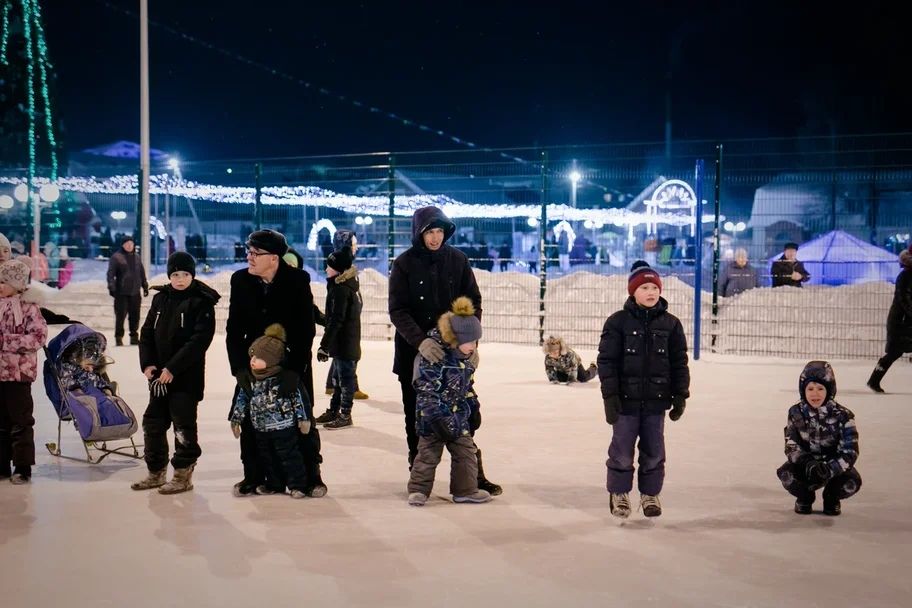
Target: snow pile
[[846, 321]]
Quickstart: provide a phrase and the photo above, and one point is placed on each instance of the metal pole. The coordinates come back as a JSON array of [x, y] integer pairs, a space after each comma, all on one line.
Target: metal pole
[[144, 164], [698, 263], [390, 236], [258, 205], [542, 254], [573, 182], [717, 211]]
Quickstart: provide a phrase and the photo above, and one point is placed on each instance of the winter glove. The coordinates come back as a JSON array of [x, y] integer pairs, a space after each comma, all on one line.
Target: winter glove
[[475, 420], [817, 472], [112, 293], [304, 427], [677, 408], [158, 388], [245, 381], [431, 350], [145, 292], [289, 381], [236, 430], [322, 355], [612, 408]]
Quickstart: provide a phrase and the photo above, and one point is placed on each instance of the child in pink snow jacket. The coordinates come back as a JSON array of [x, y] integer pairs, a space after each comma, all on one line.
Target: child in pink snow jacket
[[22, 333]]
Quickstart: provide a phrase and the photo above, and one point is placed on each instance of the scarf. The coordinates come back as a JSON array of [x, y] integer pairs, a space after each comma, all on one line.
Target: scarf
[[12, 305]]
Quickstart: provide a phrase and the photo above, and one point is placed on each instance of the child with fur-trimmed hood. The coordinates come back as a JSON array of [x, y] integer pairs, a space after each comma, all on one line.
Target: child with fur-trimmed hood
[[447, 408], [562, 364]]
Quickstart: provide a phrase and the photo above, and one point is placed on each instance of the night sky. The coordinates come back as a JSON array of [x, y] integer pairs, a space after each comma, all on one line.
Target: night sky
[[497, 73]]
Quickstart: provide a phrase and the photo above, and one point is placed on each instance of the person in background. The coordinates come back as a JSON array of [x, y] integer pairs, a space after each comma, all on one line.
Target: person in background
[[126, 277], [899, 322], [787, 270], [738, 276]]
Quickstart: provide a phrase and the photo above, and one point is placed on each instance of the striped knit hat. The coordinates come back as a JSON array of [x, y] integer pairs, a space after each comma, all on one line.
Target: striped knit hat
[[640, 273]]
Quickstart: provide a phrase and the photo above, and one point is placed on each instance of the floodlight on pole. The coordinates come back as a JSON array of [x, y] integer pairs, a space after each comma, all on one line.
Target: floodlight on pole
[[21, 193], [49, 193]]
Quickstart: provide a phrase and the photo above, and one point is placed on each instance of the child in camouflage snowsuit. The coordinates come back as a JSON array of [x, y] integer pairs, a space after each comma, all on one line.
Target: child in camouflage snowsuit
[[821, 443], [277, 420], [562, 364], [447, 409]]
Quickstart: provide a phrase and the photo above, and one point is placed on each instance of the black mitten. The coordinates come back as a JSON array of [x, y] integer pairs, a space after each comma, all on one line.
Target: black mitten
[[817, 472], [677, 408], [612, 408], [475, 419]]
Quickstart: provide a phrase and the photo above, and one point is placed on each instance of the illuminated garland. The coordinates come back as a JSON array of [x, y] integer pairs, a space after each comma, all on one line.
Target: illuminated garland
[[44, 65], [312, 196], [4, 34]]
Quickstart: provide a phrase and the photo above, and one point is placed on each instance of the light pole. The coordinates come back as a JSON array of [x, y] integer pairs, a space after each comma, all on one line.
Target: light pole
[[144, 164], [575, 178]]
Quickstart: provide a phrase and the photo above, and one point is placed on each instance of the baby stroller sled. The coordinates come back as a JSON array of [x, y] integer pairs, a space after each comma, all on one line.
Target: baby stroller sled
[[100, 416]]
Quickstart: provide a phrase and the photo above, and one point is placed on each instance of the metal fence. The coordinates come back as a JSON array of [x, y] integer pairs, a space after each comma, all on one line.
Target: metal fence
[[552, 232]]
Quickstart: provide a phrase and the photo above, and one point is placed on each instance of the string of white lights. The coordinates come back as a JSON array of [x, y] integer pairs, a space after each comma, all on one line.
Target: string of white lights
[[378, 205]]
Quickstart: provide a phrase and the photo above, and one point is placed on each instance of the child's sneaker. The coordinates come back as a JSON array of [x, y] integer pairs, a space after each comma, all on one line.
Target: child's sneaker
[[298, 494], [341, 421], [650, 505], [19, 479], [478, 497], [317, 491], [803, 508], [831, 507], [620, 505], [417, 499], [244, 488], [325, 417]]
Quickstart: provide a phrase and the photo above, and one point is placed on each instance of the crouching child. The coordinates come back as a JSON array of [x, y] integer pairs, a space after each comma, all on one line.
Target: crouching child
[[821, 443], [447, 409], [563, 365], [276, 420]]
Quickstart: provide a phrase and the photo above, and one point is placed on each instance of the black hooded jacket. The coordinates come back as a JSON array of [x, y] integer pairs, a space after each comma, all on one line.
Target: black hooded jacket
[[642, 358], [126, 274], [342, 338], [899, 320], [177, 332], [423, 285]]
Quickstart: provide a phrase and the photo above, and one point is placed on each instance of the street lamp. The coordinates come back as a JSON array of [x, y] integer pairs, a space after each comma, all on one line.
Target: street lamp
[[50, 193], [575, 177], [6, 201]]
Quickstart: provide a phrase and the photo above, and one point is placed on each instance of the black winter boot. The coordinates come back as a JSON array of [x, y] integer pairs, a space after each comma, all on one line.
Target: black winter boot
[[483, 483], [876, 376]]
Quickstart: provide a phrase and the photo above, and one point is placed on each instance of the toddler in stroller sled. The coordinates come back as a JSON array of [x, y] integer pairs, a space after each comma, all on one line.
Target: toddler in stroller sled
[[84, 363]]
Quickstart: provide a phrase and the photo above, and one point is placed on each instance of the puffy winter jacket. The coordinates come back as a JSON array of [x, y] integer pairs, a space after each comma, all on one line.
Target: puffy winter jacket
[[642, 358], [827, 433], [342, 337], [22, 334], [176, 334], [899, 319], [269, 411], [423, 285], [445, 394]]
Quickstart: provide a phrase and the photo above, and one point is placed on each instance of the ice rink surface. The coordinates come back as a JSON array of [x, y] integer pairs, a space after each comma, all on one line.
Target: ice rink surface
[[78, 536]]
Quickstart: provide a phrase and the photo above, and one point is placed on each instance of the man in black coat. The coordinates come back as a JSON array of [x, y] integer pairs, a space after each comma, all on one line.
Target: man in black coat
[[423, 282], [126, 276], [270, 291], [787, 270], [899, 322]]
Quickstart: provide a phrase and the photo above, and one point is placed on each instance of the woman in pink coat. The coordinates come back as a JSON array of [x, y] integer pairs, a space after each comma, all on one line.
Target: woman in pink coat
[[23, 332]]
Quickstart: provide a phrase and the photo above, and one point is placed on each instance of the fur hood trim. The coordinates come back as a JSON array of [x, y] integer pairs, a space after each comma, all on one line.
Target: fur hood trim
[[463, 307], [564, 349]]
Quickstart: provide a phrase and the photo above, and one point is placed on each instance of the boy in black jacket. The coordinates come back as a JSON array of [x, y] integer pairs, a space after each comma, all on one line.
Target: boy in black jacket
[[642, 364], [172, 355], [342, 337]]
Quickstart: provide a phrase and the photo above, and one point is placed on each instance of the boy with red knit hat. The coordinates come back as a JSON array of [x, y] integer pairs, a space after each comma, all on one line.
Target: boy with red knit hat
[[642, 365]]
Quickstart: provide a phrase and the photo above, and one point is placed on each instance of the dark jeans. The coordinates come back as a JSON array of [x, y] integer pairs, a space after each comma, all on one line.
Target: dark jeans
[[409, 399], [795, 481], [283, 463], [179, 409], [650, 428], [126, 306], [329, 376], [17, 433], [344, 384]]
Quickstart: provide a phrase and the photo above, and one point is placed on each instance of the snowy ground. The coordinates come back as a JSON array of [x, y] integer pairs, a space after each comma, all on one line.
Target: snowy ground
[[78, 536]]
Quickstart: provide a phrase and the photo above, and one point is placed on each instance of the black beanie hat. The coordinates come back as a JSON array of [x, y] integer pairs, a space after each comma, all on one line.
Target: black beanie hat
[[181, 260], [268, 240], [340, 260]]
